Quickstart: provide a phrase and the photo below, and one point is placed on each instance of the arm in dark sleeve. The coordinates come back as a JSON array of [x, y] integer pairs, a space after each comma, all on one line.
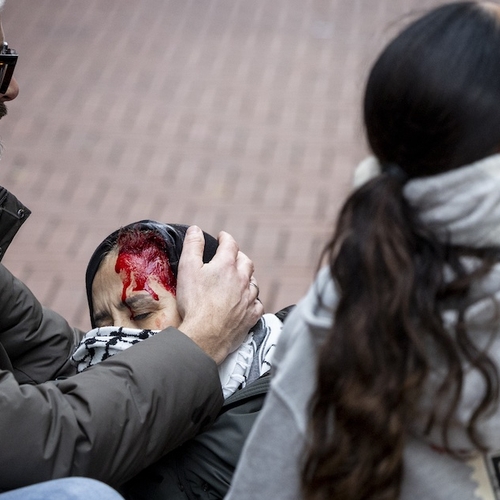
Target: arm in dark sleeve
[[112, 420], [35, 343]]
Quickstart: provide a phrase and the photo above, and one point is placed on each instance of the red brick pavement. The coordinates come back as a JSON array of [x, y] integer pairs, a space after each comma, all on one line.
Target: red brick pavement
[[240, 115]]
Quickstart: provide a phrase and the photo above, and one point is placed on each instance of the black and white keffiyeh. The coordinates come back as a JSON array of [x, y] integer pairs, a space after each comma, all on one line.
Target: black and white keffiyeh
[[251, 360]]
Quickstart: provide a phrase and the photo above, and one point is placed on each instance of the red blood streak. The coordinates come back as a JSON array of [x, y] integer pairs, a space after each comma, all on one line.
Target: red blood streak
[[141, 256]]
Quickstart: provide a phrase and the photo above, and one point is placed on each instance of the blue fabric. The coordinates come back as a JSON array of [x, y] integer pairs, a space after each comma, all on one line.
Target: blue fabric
[[71, 488]]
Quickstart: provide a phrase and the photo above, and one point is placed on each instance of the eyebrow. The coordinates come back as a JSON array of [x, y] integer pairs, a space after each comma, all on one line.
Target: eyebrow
[[103, 315], [137, 300]]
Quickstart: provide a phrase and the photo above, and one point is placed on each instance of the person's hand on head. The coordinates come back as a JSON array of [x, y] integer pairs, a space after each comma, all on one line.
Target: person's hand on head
[[216, 301]]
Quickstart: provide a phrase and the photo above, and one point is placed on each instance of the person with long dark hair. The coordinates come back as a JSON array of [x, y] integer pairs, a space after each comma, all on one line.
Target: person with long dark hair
[[386, 380]]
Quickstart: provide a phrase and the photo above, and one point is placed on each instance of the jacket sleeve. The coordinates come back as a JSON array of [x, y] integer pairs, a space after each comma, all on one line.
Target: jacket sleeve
[[35, 342], [110, 421]]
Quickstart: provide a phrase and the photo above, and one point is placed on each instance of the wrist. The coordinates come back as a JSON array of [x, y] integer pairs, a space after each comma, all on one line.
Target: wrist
[[212, 344]]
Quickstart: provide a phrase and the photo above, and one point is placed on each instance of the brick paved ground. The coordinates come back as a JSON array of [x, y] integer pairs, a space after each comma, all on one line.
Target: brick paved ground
[[240, 115]]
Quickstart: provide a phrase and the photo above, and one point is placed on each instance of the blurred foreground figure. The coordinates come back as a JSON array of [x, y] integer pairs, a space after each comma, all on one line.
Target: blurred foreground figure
[[387, 373]]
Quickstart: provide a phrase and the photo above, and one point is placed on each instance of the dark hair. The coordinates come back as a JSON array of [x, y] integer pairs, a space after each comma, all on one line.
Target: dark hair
[[432, 97], [171, 235], [432, 104]]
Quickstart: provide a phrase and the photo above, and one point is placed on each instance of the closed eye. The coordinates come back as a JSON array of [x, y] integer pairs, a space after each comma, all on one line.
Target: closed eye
[[140, 317]]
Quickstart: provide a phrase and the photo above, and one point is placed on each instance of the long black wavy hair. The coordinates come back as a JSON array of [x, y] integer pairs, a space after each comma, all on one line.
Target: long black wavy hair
[[432, 104]]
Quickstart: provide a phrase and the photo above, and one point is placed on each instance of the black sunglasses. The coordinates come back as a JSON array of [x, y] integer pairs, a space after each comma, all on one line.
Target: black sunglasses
[[8, 60]]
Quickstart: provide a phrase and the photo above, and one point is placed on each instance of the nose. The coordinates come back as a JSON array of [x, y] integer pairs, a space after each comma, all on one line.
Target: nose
[[123, 319], [12, 91]]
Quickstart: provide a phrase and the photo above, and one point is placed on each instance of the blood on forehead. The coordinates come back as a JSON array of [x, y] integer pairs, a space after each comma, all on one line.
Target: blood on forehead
[[141, 254]]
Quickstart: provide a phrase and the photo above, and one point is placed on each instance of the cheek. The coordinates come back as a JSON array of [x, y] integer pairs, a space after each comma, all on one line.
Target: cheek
[[160, 324], [166, 319]]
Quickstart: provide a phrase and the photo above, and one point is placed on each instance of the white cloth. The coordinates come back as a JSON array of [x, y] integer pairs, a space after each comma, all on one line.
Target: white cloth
[[251, 360], [462, 206], [254, 356]]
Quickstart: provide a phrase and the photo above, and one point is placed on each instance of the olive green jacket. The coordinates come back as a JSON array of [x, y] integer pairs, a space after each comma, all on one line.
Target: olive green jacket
[[110, 421]]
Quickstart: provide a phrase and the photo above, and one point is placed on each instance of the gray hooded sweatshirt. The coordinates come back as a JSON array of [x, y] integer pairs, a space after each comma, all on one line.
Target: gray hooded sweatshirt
[[462, 206]]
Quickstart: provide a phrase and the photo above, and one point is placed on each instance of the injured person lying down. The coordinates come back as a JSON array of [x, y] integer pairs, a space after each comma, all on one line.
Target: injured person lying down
[[131, 290]]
